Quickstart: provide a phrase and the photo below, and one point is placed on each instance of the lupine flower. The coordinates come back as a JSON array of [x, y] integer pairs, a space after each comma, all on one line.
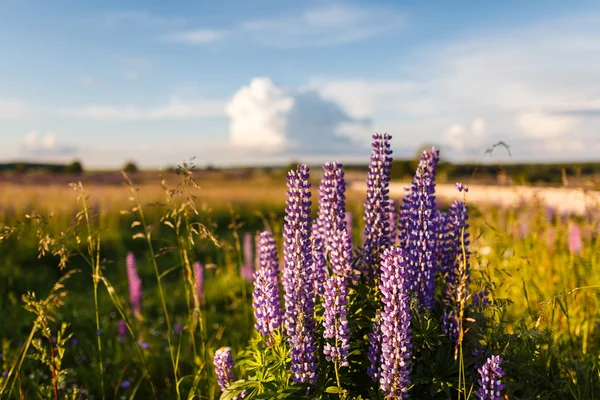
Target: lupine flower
[[122, 330], [199, 276], [321, 272], [377, 230], [461, 187], [298, 282], [178, 328], [135, 285], [396, 347], [574, 241], [266, 297], [125, 384], [374, 352], [450, 326], [422, 230], [335, 320], [490, 381], [224, 364], [404, 220], [247, 270], [457, 239], [348, 221], [393, 221], [332, 202]]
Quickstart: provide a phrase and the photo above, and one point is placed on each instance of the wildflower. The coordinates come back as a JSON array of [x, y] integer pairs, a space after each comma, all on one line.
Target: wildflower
[[125, 384], [422, 229], [393, 221], [74, 341], [332, 203], [143, 345], [178, 328], [377, 205], [335, 320], [574, 241], [298, 282], [490, 382], [321, 272], [374, 352], [461, 187], [396, 347], [99, 332], [266, 297], [135, 285], [224, 364], [122, 329], [348, 222], [247, 269], [199, 275]]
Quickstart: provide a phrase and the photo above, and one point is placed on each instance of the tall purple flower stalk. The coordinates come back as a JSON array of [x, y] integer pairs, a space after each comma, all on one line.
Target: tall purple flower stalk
[[490, 379], [298, 282], [320, 271], [374, 352], [377, 229], [223, 362], [266, 297], [135, 285], [396, 347], [199, 275], [335, 320], [422, 230], [393, 221], [574, 240], [247, 269]]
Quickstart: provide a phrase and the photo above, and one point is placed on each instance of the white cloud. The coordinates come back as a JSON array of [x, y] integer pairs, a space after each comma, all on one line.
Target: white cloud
[[461, 138], [272, 119], [37, 144], [325, 26], [175, 109], [545, 126], [197, 36], [13, 109]]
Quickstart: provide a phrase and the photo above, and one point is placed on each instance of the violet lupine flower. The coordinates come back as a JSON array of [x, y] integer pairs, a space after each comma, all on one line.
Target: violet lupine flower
[[377, 230], [298, 281], [404, 220], [319, 264], [199, 275], [335, 320], [396, 347], [332, 202], [266, 297], [450, 326], [122, 330], [224, 364], [393, 221], [247, 269], [374, 352], [135, 285], [574, 241], [348, 221], [457, 238], [490, 381], [422, 231]]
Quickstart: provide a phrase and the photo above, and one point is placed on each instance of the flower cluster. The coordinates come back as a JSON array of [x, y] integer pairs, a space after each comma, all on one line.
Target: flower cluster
[[298, 282], [266, 297], [199, 275], [490, 379], [422, 230], [223, 362], [396, 347], [377, 229], [335, 320], [135, 285]]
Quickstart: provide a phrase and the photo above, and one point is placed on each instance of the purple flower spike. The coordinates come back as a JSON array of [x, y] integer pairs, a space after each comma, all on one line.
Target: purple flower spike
[[135, 285], [461, 187], [422, 230], [393, 221], [490, 381], [266, 296], [348, 221], [122, 330], [396, 347], [575, 242], [319, 264], [374, 353], [335, 321], [377, 230], [247, 269], [298, 278], [199, 275], [224, 364]]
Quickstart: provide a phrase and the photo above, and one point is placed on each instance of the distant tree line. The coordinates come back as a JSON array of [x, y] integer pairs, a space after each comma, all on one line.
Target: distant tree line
[[22, 167]]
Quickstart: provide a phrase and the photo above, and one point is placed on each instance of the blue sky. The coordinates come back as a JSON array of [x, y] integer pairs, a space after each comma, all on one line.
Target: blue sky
[[269, 81]]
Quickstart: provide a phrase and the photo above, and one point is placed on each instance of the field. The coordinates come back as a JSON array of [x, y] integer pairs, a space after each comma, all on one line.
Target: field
[[64, 295]]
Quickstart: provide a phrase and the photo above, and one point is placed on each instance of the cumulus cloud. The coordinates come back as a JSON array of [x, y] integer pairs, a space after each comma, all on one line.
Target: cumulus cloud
[[38, 144], [462, 138], [13, 109], [545, 126], [271, 119], [175, 109]]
